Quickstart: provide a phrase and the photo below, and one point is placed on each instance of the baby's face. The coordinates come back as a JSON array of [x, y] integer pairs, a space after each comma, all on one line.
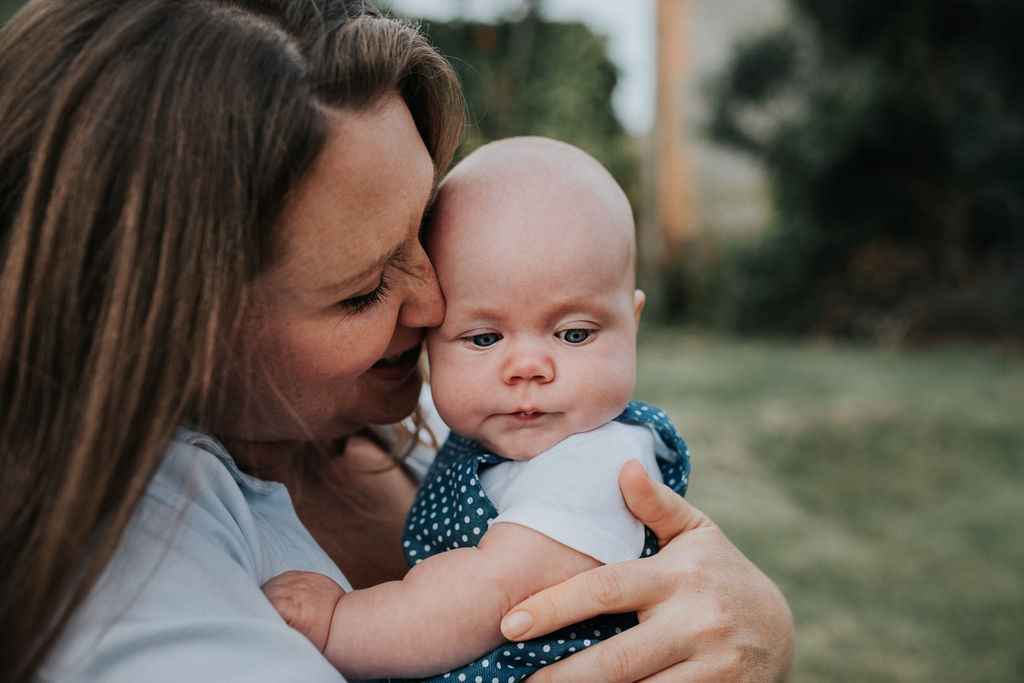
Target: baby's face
[[538, 341]]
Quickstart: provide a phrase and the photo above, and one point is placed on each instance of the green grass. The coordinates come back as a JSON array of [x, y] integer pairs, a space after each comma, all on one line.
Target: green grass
[[882, 490]]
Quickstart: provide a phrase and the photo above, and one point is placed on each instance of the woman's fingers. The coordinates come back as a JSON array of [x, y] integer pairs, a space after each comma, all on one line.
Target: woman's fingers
[[685, 672], [660, 508], [614, 588], [622, 587], [706, 613], [633, 655]]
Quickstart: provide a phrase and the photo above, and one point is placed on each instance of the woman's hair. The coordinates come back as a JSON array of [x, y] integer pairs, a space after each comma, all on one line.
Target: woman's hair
[[146, 148]]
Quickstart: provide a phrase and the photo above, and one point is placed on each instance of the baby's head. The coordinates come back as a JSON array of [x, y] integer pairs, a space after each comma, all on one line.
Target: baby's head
[[534, 246]]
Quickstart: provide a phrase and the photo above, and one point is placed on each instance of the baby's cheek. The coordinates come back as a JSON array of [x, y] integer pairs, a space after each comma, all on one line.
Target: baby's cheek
[[609, 384], [452, 398]]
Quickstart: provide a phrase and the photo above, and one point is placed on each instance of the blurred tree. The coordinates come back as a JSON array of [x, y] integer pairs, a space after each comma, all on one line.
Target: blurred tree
[[894, 137], [530, 76], [8, 8]]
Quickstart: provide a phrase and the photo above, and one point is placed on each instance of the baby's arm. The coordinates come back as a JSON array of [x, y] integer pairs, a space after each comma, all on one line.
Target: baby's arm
[[445, 612]]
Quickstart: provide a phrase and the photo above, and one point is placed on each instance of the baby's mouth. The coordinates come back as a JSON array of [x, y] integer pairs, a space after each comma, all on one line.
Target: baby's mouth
[[528, 415]]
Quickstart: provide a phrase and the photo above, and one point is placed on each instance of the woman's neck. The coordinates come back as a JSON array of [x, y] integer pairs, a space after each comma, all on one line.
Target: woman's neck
[[281, 461], [356, 511], [353, 504]]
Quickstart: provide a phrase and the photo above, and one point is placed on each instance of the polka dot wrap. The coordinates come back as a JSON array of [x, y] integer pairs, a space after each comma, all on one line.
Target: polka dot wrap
[[452, 511]]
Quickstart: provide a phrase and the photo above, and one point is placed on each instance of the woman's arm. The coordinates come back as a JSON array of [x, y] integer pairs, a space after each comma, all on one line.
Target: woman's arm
[[706, 612]]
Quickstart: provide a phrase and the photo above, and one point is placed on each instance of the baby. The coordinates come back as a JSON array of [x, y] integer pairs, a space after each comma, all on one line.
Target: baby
[[533, 369]]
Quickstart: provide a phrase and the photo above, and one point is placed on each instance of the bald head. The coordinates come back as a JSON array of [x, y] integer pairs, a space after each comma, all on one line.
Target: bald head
[[527, 196], [542, 166]]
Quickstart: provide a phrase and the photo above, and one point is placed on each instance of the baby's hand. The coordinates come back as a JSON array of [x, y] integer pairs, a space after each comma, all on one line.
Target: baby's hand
[[306, 600]]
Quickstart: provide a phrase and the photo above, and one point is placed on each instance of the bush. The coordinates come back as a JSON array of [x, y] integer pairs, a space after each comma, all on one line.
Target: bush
[[892, 134]]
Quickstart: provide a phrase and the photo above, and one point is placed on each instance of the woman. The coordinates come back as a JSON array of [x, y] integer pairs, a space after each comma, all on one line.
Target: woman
[[212, 291]]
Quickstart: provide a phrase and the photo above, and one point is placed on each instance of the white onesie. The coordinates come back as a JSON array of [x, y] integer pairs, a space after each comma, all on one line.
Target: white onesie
[[570, 492]]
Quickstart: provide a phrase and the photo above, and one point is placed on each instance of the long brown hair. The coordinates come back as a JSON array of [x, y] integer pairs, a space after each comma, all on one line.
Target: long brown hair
[[146, 147]]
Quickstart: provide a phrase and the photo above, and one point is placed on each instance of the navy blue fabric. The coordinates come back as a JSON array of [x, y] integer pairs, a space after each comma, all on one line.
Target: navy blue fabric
[[452, 511]]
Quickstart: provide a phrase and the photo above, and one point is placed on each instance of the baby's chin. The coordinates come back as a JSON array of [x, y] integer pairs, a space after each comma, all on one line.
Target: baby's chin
[[538, 434], [526, 449]]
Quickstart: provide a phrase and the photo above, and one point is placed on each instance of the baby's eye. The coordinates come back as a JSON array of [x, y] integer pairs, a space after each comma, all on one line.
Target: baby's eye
[[576, 335], [486, 339]]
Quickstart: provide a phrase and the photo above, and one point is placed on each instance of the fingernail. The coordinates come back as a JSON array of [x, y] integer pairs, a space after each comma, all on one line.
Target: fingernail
[[516, 624]]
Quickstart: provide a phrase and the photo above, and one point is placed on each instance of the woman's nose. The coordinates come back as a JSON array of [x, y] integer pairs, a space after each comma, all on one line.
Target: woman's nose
[[528, 365], [423, 305]]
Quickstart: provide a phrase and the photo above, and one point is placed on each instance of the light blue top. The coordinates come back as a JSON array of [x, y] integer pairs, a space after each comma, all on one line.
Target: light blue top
[[181, 598]]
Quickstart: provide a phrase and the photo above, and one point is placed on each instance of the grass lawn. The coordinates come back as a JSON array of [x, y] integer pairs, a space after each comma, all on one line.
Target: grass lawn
[[882, 490]]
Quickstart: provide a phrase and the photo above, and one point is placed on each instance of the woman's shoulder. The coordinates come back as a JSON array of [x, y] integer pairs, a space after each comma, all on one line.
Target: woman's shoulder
[[252, 520], [197, 471], [182, 594]]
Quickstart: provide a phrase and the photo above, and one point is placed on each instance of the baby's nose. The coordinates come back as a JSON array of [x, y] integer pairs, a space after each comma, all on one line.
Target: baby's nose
[[528, 365]]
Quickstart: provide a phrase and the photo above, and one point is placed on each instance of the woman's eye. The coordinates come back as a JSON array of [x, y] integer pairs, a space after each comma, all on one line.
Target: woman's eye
[[576, 335], [358, 304], [484, 340]]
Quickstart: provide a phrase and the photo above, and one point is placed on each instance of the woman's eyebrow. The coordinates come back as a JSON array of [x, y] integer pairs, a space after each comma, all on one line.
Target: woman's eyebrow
[[388, 258], [377, 265]]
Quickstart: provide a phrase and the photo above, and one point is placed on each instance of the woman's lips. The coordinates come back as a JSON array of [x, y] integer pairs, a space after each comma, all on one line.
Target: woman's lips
[[397, 366]]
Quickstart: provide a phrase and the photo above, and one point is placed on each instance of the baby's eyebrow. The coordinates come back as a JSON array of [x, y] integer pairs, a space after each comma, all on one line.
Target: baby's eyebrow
[[483, 313], [583, 306]]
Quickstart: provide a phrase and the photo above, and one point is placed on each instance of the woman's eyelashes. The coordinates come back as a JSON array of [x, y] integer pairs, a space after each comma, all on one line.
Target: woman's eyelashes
[[361, 302]]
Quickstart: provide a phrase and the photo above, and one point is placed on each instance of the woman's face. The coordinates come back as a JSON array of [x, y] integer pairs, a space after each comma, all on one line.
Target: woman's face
[[332, 340]]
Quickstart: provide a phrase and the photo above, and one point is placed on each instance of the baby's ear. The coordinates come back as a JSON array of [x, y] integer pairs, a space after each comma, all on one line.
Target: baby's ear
[[639, 298]]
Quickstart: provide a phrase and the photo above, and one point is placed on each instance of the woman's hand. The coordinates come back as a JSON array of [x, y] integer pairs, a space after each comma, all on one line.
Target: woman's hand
[[706, 612]]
